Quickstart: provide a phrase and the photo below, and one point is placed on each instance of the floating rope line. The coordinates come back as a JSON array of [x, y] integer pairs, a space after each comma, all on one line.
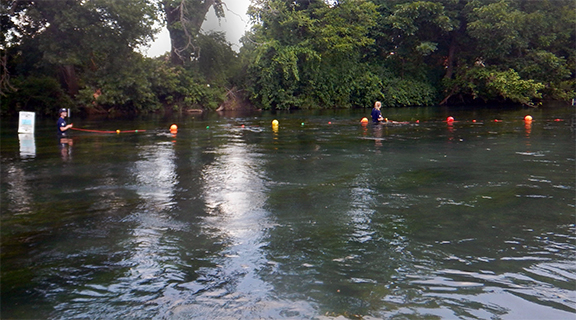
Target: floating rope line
[[104, 131]]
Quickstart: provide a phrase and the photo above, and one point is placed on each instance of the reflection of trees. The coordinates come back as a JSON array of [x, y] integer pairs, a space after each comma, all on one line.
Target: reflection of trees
[[17, 198], [426, 225], [113, 233], [233, 191], [330, 244], [57, 220], [292, 224]]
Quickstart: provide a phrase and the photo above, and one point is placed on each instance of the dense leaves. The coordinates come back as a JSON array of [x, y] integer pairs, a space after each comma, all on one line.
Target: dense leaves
[[59, 53], [349, 53], [310, 54], [299, 54]]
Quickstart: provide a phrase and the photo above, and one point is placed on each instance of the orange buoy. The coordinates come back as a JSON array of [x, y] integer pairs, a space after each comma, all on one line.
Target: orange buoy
[[528, 118], [173, 128], [450, 119], [364, 120]]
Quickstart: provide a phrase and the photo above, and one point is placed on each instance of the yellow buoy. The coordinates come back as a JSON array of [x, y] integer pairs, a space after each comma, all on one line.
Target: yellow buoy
[[274, 122], [117, 131]]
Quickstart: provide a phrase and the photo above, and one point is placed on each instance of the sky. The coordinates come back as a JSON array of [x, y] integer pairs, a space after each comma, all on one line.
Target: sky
[[234, 24]]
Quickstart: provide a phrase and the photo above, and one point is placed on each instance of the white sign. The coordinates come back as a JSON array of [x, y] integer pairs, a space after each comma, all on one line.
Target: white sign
[[26, 122]]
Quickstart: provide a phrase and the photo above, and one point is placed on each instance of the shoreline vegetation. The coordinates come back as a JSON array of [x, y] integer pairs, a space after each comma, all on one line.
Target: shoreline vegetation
[[299, 54]]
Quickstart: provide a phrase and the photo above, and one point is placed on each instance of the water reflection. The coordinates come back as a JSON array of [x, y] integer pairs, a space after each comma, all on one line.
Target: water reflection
[[19, 196], [65, 146], [27, 145], [234, 192], [374, 251], [308, 222], [378, 129]]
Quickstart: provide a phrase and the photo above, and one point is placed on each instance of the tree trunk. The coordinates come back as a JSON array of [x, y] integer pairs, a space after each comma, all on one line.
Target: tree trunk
[[450, 60], [454, 37], [183, 20], [69, 78]]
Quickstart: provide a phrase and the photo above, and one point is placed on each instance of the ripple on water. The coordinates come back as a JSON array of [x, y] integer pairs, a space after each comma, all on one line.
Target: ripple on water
[[546, 284]]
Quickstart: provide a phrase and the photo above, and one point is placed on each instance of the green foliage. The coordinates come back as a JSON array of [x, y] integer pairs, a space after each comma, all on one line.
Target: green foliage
[[523, 45], [217, 62], [308, 54], [299, 54], [508, 85], [403, 92], [88, 47], [544, 66], [344, 28], [40, 94], [127, 90], [180, 88], [492, 84], [144, 85], [411, 18], [497, 28], [414, 30]]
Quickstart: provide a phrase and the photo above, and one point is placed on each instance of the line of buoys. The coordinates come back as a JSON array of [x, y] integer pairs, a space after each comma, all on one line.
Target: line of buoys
[[451, 120], [108, 131], [275, 124]]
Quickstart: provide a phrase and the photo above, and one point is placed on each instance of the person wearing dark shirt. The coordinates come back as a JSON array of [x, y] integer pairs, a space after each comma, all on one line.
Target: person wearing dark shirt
[[61, 123], [376, 114]]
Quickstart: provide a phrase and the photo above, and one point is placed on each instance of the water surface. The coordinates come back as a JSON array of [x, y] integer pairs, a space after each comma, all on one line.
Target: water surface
[[319, 218]]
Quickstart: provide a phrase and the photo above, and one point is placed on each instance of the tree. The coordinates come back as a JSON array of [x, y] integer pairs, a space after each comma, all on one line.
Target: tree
[[68, 39], [74, 34], [522, 41], [184, 19], [308, 53], [416, 29]]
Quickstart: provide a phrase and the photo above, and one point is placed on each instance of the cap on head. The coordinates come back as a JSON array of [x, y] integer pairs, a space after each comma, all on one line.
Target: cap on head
[[63, 110]]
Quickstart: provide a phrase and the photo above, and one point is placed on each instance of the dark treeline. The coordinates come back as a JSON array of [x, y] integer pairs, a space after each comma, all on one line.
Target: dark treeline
[[299, 54]]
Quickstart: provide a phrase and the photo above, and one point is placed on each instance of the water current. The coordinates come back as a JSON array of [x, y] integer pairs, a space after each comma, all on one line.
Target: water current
[[319, 218]]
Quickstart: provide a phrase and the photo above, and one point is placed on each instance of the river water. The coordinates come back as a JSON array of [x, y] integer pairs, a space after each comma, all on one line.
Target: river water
[[318, 218]]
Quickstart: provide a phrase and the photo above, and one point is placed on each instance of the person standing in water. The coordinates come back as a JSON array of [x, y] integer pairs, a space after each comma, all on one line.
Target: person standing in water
[[376, 114], [61, 123]]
